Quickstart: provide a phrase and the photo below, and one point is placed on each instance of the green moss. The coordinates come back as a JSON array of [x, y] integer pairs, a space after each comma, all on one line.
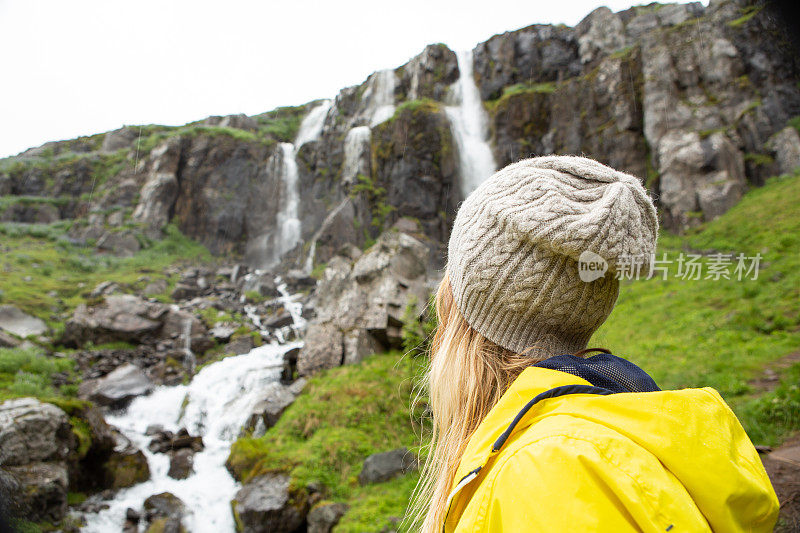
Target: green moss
[[758, 159], [82, 431], [795, 123], [423, 105], [283, 123], [126, 470], [748, 13]]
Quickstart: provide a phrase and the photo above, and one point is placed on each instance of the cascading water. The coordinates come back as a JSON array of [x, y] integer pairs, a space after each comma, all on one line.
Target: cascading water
[[288, 218], [215, 405], [380, 96], [311, 126], [468, 122], [356, 153]]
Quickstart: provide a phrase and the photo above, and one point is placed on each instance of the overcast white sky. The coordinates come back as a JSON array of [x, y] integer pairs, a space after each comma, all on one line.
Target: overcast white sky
[[72, 68]]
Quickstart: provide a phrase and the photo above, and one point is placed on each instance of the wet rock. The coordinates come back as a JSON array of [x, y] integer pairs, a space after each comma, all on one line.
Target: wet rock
[[14, 321], [266, 413], [280, 321], [387, 465], [183, 291], [265, 504], [322, 518], [33, 431], [126, 466], [181, 463], [164, 512], [43, 490], [240, 345], [118, 388], [289, 366]]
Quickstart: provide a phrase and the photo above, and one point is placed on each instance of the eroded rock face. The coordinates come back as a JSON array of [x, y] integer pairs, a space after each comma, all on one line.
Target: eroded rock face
[[264, 504], [540, 52], [361, 304]]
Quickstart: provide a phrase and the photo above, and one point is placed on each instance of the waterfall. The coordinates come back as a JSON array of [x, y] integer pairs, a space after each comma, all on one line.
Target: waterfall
[[356, 153], [379, 96], [468, 122], [216, 404], [189, 360], [288, 231], [288, 220], [312, 124]]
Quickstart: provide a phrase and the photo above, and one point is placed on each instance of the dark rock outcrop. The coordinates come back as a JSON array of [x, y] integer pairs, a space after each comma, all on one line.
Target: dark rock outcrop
[[322, 518], [265, 504]]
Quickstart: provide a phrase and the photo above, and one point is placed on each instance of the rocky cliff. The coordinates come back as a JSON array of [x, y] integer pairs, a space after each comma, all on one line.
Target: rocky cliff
[[694, 100]]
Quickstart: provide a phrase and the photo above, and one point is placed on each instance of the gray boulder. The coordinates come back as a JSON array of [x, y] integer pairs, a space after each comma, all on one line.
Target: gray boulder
[[121, 243], [14, 321], [322, 518], [387, 465], [33, 431], [120, 317], [265, 504], [117, 388]]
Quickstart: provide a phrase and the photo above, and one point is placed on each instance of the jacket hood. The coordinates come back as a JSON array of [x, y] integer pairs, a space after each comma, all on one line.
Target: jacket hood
[[692, 432]]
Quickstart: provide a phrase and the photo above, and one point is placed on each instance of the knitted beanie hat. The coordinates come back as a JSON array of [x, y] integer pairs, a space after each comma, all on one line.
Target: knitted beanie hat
[[513, 256]]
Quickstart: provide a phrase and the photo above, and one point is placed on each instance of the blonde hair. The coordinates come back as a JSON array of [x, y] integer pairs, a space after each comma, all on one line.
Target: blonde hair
[[467, 376]]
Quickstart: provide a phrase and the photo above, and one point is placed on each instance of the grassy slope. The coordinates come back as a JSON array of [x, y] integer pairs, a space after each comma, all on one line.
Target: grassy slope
[[692, 333], [686, 333], [343, 416]]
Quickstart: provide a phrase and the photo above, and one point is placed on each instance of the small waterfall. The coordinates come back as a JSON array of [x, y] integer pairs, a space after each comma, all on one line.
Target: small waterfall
[[468, 122], [189, 360], [312, 124], [379, 96], [356, 153], [216, 404], [288, 219]]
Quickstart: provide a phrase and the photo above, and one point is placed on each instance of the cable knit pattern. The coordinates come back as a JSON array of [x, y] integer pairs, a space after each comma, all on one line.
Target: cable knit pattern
[[514, 249]]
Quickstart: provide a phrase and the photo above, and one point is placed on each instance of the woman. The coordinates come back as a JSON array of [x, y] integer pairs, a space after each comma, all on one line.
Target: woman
[[529, 432]]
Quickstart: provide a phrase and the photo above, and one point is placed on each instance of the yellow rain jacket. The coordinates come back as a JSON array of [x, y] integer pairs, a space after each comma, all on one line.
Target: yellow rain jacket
[[660, 461]]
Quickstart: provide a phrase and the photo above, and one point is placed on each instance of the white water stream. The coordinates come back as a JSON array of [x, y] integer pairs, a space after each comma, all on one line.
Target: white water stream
[[468, 121], [380, 96], [216, 404]]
